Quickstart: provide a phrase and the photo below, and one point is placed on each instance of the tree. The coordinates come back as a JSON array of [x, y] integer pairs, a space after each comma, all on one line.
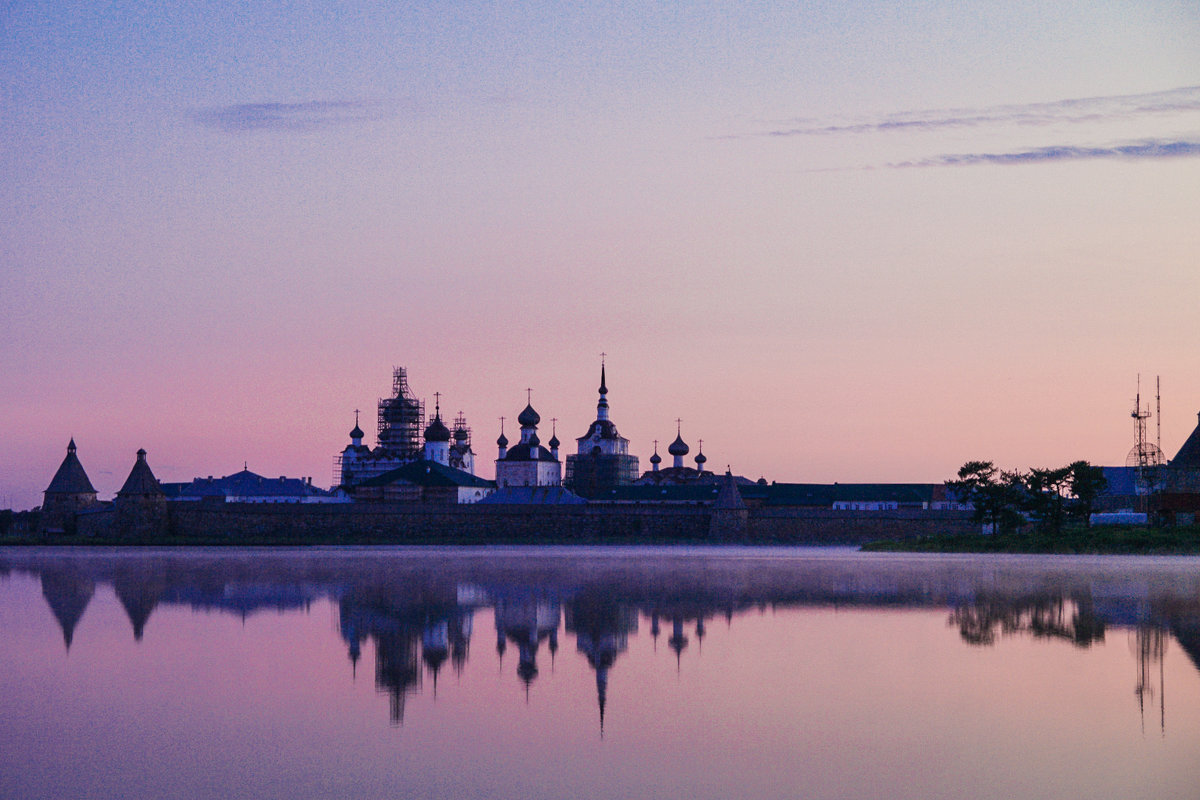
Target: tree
[[996, 495], [1047, 496], [1087, 483]]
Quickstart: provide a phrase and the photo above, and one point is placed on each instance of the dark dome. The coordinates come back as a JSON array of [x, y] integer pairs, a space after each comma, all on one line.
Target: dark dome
[[701, 458], [502, 441], [437, 431], [460, 434], [656, 459], [678, 447], [533, 440], [554, 443], [528, 418], [357, 432]]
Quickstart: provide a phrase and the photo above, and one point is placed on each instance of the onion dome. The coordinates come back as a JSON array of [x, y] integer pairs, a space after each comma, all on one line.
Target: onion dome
[[554, 443], [528, 418], [356, 432], [701, 459], [502, 441], [656, 458], [437, 431], [678, 447]]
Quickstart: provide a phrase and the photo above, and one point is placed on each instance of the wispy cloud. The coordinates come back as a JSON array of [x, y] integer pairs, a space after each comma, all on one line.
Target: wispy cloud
[[1144, 149], [1073, 110], [295, 117]]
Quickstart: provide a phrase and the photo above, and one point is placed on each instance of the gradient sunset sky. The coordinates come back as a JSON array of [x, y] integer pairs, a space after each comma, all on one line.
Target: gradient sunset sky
[[843, 241]]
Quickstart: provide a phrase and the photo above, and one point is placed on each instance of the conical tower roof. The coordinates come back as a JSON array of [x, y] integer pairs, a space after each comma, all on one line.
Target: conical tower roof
[[1188, 456], [141, 480], [71, 477], [728, 497]]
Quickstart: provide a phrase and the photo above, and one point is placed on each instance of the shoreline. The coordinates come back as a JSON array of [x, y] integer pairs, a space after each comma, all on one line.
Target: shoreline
[[1107, 540]]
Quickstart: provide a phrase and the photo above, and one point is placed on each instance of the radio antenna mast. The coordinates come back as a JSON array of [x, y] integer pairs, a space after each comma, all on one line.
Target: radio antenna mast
[[1158, 409]]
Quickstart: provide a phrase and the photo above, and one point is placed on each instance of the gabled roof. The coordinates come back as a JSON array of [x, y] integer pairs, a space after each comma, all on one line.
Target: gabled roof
[[244, 484], [1188, 456], [141, 480], [71, 477], [428, 473]]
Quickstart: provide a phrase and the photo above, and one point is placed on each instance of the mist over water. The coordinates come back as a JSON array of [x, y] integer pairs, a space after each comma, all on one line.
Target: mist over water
[[599, 672]]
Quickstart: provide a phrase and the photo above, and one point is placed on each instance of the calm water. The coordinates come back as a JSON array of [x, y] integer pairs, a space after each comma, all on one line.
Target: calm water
[[598, 673]]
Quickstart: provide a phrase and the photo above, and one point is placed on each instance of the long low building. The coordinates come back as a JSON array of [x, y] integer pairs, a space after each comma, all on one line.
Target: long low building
[[248, 487], [835, 496]]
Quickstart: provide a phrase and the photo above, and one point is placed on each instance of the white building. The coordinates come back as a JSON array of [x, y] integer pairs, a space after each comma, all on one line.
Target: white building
[[526, 463]]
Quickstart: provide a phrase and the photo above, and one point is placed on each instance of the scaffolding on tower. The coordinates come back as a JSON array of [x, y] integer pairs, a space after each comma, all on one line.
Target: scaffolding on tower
[[401, 418]]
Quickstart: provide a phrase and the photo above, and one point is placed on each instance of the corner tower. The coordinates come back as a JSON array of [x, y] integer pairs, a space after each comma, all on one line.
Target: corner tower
[[69, 492]]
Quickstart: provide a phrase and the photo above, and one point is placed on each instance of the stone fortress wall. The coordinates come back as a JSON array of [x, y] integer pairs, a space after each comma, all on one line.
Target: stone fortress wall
[[594, 523]]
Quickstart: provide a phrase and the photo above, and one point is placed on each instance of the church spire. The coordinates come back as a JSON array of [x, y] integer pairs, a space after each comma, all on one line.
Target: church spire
[[602, 405]]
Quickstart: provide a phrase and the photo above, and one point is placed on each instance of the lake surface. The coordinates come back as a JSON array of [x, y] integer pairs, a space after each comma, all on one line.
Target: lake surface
[[596, 672]]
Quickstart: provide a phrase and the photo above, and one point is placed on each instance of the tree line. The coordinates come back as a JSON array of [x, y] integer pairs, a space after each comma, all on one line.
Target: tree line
[[1046, 498]]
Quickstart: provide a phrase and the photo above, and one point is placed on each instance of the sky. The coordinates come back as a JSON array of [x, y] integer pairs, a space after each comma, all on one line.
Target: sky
[[841, 241]]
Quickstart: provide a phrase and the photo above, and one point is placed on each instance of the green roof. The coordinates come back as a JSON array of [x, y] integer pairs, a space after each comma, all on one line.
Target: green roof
[[428, 473]]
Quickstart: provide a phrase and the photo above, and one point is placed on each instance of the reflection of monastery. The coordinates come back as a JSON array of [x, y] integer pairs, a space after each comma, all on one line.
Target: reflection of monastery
[[408, 623], [418, 483]]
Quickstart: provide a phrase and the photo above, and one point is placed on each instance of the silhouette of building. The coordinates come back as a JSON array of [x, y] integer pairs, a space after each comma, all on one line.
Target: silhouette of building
[[248, 487], [69, 492], [526, 463], [602, 460], [141, 505]]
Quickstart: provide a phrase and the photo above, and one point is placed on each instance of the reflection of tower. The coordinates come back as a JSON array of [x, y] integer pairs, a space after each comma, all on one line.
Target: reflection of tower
[[601, 627], [139, 593], [1150, 645], [396, 668], [460, 639], [67, 594], [525, 622], [435, 648], [678, 640]]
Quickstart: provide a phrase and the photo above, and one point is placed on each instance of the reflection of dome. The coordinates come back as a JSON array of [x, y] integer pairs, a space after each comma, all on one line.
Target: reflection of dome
[[678, 447], [529, 417], [437, 431]]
